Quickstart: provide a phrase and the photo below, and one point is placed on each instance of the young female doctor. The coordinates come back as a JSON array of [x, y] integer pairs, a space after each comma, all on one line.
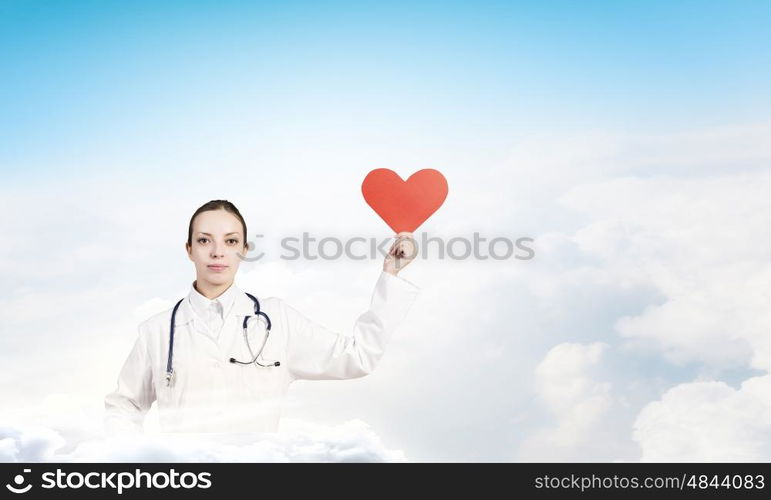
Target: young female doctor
[[232, 355]]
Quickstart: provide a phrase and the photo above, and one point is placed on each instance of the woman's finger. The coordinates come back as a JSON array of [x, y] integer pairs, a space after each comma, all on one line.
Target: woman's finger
[[406, 246], [399, 246]]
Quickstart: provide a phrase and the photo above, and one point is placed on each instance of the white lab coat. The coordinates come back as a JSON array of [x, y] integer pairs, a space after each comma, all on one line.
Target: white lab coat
[[210, 394]]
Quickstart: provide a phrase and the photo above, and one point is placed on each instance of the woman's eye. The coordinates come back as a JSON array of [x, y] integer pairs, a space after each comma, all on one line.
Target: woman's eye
[[201, 240], [233, 241]]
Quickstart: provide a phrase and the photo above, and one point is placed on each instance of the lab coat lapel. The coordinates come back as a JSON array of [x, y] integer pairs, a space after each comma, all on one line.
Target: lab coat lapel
[[184, 313], [242, 306]]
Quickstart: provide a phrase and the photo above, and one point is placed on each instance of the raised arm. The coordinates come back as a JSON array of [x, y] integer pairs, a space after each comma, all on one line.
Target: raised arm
[[316, 353]]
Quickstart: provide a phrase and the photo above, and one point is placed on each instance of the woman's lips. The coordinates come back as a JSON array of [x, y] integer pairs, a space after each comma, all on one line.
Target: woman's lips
[[218, 268]]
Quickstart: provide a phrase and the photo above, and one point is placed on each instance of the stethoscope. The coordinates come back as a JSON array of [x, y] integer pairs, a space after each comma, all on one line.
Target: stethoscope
[[171, 374]]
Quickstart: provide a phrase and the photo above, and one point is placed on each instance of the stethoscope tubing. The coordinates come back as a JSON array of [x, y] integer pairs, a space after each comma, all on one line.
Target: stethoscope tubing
[[257, 313]]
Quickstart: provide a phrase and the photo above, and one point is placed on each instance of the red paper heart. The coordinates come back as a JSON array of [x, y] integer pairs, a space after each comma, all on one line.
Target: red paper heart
[[404, 205]]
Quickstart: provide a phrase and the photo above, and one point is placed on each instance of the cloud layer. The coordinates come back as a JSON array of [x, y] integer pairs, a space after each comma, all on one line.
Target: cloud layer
[[351, 441], [650, 276]]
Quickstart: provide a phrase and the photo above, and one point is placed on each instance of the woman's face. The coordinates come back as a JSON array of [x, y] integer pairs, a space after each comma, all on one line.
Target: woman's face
[[218, 238]]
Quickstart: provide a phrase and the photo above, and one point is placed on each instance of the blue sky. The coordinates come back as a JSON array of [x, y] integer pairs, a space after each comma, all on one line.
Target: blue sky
[[117, 77]]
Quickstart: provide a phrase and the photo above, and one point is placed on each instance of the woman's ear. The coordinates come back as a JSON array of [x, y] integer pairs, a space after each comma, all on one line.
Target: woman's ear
[[188, 248]]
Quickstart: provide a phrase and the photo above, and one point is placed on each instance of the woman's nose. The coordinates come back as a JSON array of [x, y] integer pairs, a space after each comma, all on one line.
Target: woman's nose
[[216, 250]]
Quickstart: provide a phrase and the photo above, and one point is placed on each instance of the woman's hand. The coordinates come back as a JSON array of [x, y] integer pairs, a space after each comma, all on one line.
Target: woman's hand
[[402, 252]]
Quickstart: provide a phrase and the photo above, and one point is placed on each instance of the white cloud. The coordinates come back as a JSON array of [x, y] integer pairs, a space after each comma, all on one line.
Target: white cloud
[[351, 441], [701, 244], [28, 443], [684, 218], [708, 421], [570, 383], [653, 246], [566, 383]]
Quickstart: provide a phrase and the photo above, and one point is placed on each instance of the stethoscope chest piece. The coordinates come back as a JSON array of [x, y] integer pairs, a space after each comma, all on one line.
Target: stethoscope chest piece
[[171, 378]]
